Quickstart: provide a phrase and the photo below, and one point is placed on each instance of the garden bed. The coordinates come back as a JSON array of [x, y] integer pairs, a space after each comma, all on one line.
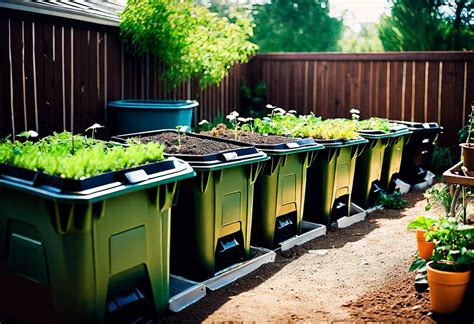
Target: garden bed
[[253, 138], [189, 144]]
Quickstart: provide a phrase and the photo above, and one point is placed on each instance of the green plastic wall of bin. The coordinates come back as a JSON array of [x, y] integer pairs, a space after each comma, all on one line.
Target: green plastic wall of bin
[[130, 116], [86, 249], [330, 178], [368, 171], [280, 190], [392, 161], [216, 204]]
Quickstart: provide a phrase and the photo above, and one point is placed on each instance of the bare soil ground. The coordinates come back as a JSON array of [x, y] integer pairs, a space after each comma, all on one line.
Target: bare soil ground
[[353, 274]]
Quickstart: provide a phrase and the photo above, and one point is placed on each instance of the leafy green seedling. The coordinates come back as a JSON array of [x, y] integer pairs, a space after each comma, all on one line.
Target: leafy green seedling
[[391, 200], [28, 134], [232, 117], [422, 223], [204, 123], [181, 129]]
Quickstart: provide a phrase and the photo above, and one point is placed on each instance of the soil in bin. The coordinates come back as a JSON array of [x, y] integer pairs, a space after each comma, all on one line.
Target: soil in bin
[[189, 144], [251, 137], [353, 274]]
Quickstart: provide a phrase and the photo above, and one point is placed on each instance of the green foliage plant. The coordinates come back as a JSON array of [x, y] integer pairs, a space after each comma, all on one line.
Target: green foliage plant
[[191, 40], [296, 26], [428, 25], [438, 194], [391, 200], [422, 223], [453, 245], [53, 155], [286, 123]]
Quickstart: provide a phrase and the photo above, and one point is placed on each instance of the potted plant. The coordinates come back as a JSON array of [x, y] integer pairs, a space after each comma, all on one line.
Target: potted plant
[[468, 148], [450, 268], [422, 225], [87, 219]]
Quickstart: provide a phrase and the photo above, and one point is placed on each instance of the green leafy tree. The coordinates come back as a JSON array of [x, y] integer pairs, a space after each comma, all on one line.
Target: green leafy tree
[[425, 25], [191, 40], [295, 26], [366, 40]]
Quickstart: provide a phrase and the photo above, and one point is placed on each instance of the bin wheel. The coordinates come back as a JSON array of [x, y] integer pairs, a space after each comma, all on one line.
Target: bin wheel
[[333, 226]]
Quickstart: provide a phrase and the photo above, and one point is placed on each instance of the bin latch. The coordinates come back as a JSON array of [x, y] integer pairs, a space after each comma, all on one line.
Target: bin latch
[[136, 176], [292, 145], [229, 156]]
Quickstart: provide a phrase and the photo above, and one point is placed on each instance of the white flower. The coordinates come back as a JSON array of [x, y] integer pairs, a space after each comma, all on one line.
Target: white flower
[[280, 110], [230, 117], [270, 106], [95, 126], [291, 112], [202, 122], [354, 111], [35, 134], [266, 118], [234, 113], [244, 120], [182, 129]]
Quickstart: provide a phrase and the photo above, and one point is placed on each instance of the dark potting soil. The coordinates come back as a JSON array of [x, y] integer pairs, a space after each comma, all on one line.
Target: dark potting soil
[[251, 138], [189, 144]]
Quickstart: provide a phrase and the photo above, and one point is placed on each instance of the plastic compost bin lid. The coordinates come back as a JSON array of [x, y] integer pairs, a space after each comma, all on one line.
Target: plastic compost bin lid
[[153, 104], [420, 127], [400, 130], [97, 188], [300, 146], [248, 154], [335, 143]]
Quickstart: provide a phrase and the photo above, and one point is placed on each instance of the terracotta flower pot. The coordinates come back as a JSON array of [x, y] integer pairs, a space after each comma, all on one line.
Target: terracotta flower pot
[[468, 156], [425, 249], [446, 289]]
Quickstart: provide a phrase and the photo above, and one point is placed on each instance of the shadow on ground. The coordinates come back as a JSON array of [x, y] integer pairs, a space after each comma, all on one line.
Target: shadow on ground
[[333, 240]]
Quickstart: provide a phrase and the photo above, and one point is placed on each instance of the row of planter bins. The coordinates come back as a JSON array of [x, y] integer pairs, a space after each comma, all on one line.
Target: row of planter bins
[[101, 246]]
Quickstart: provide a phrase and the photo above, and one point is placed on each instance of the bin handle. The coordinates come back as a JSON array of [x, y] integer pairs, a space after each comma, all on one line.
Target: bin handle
[[255, 170], [310, 157], [167, 193]]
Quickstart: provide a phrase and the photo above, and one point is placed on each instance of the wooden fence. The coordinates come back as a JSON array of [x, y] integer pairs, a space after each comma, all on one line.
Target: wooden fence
[[58, 74], [436, 86]]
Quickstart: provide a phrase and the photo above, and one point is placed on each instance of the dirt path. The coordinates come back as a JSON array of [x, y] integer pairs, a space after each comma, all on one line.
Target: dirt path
[[304, 285]]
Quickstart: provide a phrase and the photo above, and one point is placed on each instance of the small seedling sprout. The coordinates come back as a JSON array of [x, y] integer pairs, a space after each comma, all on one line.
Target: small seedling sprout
[[94, 129], [181, 129], [232, 117]]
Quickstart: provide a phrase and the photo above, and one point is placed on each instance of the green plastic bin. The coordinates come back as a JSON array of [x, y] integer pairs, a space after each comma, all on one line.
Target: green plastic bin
[[280, 192], [418, 151], [211, 225], [392, 161], [91, 247], [369, 165], [329, 181]]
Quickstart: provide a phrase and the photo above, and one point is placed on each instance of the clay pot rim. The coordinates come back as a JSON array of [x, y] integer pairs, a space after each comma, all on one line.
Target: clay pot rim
[[428, 265]]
